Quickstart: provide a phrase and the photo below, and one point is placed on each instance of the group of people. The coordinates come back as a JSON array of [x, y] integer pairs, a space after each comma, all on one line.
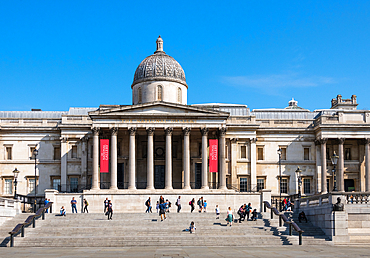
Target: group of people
[[244, 212], [202, 204], [73, 206], [287, 204]]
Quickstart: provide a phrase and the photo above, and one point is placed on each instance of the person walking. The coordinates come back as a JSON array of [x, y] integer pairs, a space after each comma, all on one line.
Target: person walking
[[217, 212], [157, 206], [106, 202], [192, 205], [74, 205], [46, 203], [162, 211], [248, 209], [85, 206], [205, 205], [178, 204], [110, 210], [148, 205], [229, 218]]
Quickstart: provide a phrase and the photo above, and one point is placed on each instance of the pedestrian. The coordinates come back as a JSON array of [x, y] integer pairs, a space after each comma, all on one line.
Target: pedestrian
[[110, 210], [161, 199], [205, 205], [178, 204], [229, 217], [254, 215], [217, 212], [148, 205], [285, 206], [248, 210], [192, 205], [46, 203], [192, 227], [302, 216], [199, 203], [106, 202], [289, 205], [241, 213], [157, 206], [86, 203], [74, 205], [62, 211], [162, 211]]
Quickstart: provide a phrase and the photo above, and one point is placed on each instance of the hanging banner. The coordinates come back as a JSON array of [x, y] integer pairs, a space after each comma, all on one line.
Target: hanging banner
[[104, 155], [213, 155]]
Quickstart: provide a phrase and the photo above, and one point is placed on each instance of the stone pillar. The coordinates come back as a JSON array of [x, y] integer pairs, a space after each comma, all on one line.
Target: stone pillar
[[186, 158], [204, 132], [318, 168], [253, 156], [95, 176], [323, 165], [150, 160], [63, 164], [168, 166], [132, 160], [340, 170], [113, 159], [367, 165], [222, 156], [84, 159]]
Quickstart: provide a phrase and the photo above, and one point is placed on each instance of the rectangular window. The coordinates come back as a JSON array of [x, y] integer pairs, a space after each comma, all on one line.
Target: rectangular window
[[328, 154], [74, 152], [328, 185], [284, 185], [56, 153], [32, 149], [243, 152], [92, 151], [8, 153], [306, 185], [31, 185], [73, 182], [200, 149], [260, 153], [283, 153], [306, 153], [243, 184], [260, 184], [8, 186], [56, 184], [347, 154]]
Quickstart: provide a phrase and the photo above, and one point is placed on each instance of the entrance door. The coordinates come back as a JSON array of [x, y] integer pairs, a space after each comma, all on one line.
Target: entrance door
[[198, 175], [349, 185], [120, 175], [159, 176]]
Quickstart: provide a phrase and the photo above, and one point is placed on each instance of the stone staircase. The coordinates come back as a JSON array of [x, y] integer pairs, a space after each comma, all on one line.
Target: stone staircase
[[8, 226], [85, 230]]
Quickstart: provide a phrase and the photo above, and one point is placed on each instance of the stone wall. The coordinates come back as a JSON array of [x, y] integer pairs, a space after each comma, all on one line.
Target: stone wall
[[8, 209]]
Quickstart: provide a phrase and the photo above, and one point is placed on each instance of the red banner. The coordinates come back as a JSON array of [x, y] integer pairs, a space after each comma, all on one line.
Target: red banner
[[213, 155], [104, 155]]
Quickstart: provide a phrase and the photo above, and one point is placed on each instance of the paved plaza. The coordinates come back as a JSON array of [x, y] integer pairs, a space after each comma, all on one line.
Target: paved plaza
[[276, 251]]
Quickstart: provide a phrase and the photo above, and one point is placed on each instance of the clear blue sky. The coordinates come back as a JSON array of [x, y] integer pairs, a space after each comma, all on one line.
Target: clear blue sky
[[60, 54]]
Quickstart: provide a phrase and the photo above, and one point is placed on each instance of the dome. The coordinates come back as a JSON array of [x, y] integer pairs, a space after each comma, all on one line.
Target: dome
[[159, 67]]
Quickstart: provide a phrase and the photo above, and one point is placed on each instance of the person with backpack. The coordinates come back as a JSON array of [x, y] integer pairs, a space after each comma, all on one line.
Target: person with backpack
[[178, 204], [148, 205], [110, 210], [248, 209], [85, 206], [162, 211], [192, 204], [241, 213]]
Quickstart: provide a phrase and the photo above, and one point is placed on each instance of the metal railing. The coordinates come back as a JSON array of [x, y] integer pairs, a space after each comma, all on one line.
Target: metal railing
[[283, 218], [30, 220]]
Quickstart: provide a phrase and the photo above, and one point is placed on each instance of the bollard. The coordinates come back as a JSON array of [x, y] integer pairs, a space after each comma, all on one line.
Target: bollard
[[272, 214], [280, 221], [290, 229], [300, 238], [11, 240], [43, 214], [264, 207], [33, 222], [51, 209], [22, 231]]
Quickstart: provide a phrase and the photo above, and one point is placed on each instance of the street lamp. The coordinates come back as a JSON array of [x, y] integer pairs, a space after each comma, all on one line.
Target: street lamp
[[279, 151], [334, 161], [15, 172], [298, 171], [34, 154]]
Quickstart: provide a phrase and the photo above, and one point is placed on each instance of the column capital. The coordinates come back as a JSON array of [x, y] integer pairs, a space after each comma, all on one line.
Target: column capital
[[150, 130], [323, 140], [341, 141], [317, 142], [85, 138], [132, 130], [114, 131], [168, 130], [186, 131], [222, 131], [63, 139], [253, 140], [96, 131], [204, 131], [366, 141]]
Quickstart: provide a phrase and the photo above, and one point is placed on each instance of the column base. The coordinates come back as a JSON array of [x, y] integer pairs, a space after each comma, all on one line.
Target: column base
[[206, 187], [95, 188], [113, 188], [150, 188], [131, 188], [222, 188], [186, 188], [168, 188]]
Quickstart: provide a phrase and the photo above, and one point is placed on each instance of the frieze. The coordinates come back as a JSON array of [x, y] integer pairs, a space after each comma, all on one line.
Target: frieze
[[158, 121]]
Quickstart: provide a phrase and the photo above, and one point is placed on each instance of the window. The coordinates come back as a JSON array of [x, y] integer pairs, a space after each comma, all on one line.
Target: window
[[159, 93], [243, 184], [306, 153], [347, 154], [283, 153], [8, 186], [327, 184], [284, 185], [8, 153], [56, 153], [306, 185], [73, 182], [32, 149], [56, 184], [74, 152], [260, 184], [140, 96], [92, 151], [31, 185], [179, 95], [260, 153], [328, 154], [119, 148], [243, 152]]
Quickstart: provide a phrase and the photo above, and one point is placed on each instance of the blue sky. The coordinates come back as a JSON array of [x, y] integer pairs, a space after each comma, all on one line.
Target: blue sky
[[60, 54]]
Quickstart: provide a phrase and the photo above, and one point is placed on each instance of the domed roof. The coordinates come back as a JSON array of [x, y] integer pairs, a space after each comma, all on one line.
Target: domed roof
[[159, 67]]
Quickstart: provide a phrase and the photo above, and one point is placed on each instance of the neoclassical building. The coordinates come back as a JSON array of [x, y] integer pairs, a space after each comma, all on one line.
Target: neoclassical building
[[161, 142]]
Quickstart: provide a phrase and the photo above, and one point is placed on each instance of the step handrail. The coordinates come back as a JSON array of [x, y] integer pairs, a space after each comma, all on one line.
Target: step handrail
[[282, 218], [30, 219]]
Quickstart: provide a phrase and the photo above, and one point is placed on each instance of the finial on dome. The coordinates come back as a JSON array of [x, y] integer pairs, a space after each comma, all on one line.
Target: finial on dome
[[293, 103], [159, 44]]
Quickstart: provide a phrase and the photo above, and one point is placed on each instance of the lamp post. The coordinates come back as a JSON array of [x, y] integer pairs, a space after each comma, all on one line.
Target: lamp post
[[279, 151], [34, 154], [298, 171], [15, 172], [334, 161]]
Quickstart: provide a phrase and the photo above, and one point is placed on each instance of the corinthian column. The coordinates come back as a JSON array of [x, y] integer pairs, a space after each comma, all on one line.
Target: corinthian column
[[340, 173], [204, 132], [113, 159], [132, 160], [150, 160], [95, 176], [253, 163], [168, 177], [367, 164], [323, 165], [222, 185], [186, 158]]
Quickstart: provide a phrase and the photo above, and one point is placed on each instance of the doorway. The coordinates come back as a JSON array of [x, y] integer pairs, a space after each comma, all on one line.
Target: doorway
[[349, 185], [159, 176], [120, 175], [198, 175]]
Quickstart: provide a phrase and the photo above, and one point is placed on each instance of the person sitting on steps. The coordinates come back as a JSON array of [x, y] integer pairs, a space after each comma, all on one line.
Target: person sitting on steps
[[302, 216]]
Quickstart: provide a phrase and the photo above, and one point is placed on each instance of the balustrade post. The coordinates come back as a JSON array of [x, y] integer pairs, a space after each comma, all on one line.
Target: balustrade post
[[11, 240], [22, 231], [280, 221], [272, 213], [300, 238], [43, 214], [290, 229], [264, 207], [33, 222]]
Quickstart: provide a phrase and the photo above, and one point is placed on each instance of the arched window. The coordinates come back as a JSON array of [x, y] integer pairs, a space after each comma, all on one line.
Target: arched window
[[179, 95], [159, 93], [140, 95]]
